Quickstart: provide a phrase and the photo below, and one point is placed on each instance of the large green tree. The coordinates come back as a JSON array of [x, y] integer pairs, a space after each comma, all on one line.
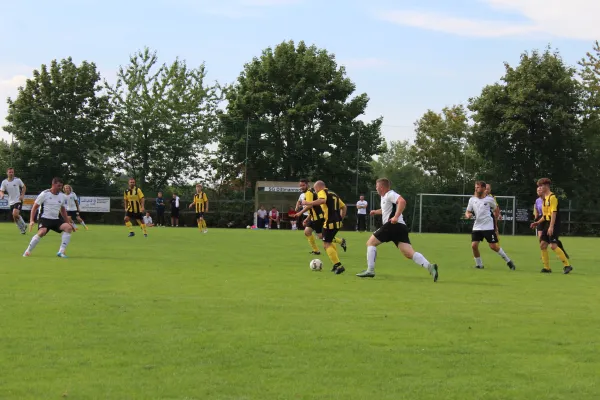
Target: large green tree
[[62, 122], [528, 125], [164, 116], [300, 114], [589, 162], [441, 145]]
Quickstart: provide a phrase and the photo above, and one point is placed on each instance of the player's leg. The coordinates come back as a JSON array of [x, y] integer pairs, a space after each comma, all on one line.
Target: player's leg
[[204, 227], [140, 221], [476, 238], [82, 222], [16, 214], [562, 248], [331, 250], [128, 224], [341, 242], [65, 229], [400, 237], [308, 232], [42, 230], [372, 244], [492, 239], [544, 249], [560, 253]]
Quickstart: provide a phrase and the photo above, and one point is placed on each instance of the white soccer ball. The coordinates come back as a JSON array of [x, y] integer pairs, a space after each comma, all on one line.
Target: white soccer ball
[[316, 265], [247, 226]]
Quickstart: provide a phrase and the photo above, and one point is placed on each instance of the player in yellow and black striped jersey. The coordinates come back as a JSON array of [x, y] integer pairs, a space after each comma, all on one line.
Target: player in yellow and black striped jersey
[[201, 204], [133, 198], [334, 211], [314, 221], [550, 226]]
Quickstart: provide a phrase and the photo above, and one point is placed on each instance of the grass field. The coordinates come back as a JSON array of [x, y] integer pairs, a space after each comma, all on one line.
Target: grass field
[[237, 314]]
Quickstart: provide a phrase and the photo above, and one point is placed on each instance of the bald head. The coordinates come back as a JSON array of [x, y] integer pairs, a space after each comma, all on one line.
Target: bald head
[[319, 185]]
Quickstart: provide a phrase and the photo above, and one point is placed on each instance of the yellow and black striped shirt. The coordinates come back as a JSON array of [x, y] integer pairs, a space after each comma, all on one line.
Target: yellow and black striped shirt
[[133, 198], [331, 208], [316, 212], [200, 201]]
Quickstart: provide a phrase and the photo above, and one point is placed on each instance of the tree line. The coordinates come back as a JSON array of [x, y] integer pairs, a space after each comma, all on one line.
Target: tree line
[[293, 112]]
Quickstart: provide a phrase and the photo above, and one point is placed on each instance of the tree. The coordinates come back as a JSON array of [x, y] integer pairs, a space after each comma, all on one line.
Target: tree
[[528, 125], [164, 116], [295, 107], [440, 146], [62, 124]]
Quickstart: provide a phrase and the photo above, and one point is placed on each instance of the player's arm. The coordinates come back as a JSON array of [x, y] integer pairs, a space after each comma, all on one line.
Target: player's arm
[[205, 203], [193, 202], [33, 213], [23, 190], [375, 212], [554, 211], [322, 198], [400, 206], [2, 190], [469, 212], [142, 200], [125, 202], [63, 213], [77, 206], [343, 209]]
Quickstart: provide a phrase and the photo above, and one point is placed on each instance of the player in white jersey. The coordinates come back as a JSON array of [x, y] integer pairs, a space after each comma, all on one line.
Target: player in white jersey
[[393, 230], [16, 191], [73, 207], [52, 217], [483, 207]]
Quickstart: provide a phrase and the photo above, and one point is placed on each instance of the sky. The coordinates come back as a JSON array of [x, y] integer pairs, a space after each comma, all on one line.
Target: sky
[[407, 55]]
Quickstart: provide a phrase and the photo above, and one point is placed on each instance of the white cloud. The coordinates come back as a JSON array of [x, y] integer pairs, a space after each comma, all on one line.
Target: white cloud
[[574, 19], [11, 77], [364, 63]]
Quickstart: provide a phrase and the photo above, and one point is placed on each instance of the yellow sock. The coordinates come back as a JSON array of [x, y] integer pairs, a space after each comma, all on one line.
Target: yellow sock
[[129, 225], [142, 225], [337, 240], [200, 225], [546, 259], [333, 255], [204, 223], [561, 254], [312, 242]]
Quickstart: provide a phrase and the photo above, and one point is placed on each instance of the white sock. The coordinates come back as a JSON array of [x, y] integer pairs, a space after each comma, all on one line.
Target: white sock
[[66, 238], [371, 257], [34, 241], [22, 223], [503, 255], [478, 262], [82, 223], [420, 260]]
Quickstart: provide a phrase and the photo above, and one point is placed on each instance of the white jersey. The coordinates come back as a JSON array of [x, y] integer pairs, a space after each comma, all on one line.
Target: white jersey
[[301, 199], [147, 220], [51, 204], [13, 189], [71, 199], [388, 207], [362, 203], [484, 213]]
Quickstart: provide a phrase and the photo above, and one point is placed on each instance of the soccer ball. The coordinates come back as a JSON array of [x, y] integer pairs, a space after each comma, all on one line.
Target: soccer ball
[[247, 226], [316, 265]]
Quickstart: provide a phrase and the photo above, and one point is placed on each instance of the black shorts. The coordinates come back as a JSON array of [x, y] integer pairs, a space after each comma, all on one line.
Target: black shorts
[[199, 215], [134, 215], [72, 214], [316, 226], [51, 224], [329, 234], [555, 235], [175, 213], [397, 233], [489, 236], [16, 206]]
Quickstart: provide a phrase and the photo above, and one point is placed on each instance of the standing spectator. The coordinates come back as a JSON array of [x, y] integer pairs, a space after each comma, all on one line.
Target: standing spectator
[[175, 210], [160, 210], [274, 218], [261, 217], [361, 214]]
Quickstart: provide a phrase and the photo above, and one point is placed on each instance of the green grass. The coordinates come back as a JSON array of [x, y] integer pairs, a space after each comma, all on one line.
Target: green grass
[[237, 314]]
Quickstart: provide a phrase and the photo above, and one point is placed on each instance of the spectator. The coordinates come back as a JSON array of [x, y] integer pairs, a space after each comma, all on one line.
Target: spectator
[[160, 210], [175, 210], [261, 218], [148, 220], [291, 216], [274, 218], [361, 214]]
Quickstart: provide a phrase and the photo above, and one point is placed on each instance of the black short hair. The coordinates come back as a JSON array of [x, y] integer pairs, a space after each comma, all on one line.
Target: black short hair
[[304, 180], [57, 180]]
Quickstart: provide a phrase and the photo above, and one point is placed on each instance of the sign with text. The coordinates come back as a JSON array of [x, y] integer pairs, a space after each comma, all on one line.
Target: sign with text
[[281, 189], [94, 204]]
